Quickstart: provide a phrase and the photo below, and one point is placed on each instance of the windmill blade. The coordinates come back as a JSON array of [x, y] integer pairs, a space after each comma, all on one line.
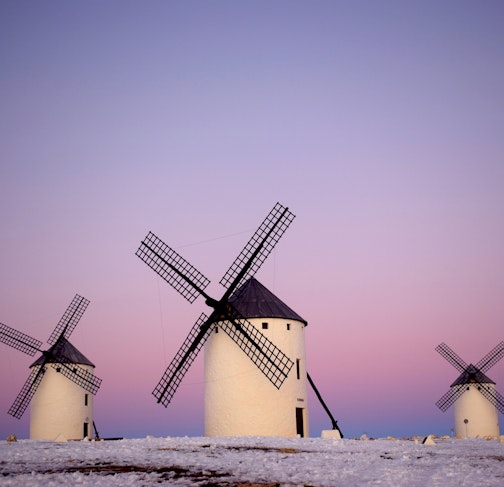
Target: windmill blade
[[173, 268], [491, 358], [27, 392], [444, 350], [258, 248], [78, 375], [500, 401], [449, 397], [18, 340], [175, 372], [493, 396], [69, 320], [268, 358], [499, 398]]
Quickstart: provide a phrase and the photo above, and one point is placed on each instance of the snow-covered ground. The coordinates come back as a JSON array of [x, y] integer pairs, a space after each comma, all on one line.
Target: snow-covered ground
[[253, 462]]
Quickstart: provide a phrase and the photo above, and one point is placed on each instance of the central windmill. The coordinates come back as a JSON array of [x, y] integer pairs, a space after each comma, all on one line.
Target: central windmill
[[190, 283], [59, 407], [473, 393], [238, 401]]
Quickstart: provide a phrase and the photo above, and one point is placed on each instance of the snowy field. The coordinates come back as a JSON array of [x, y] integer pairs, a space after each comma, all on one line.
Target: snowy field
[[252, 462]]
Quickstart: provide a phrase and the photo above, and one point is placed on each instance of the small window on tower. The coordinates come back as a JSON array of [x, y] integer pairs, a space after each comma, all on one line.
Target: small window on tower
[[85, 399], [288, 326], [298, 369], [216, 329], [265, 326]]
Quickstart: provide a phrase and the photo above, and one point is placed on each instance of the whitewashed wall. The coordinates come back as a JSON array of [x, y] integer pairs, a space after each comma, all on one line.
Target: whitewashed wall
[[58, 409], [480, 413], [240, 400]]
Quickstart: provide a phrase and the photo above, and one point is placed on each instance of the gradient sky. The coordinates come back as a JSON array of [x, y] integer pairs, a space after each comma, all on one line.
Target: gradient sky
[[379, 123]]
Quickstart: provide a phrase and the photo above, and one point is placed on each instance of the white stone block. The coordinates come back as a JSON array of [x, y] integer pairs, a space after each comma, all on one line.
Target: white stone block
[[429, 440], [335, 434]]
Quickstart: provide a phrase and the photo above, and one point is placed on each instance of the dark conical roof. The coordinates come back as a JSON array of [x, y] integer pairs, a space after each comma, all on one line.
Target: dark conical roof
[[63, 351], [472, 375], [253, 300]]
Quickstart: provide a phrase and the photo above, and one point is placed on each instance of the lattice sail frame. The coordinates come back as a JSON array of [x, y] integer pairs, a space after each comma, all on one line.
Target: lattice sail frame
[[445, 351], [187, 353], [27, 392], [262, 243], [491, 358], [449, 397], [19, 341], [268, 358], [78, 375], [69, 320], [488, 361], [172, 267], [191, 283], [493, 395]]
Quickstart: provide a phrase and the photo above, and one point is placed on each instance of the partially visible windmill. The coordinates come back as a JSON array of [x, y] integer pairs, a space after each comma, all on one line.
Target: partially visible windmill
[[473, 393], [190, 283], [63, 357]]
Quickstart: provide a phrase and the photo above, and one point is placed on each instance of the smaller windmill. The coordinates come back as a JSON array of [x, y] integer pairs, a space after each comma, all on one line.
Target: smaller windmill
[[474, 395], [59, 408]]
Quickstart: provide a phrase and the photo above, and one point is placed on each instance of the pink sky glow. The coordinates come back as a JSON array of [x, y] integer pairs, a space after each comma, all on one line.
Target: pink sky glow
[[380, 125]]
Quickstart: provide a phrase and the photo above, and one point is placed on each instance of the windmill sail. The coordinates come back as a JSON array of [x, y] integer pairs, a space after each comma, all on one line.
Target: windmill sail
[[449, 397], [27, 392], [19, 341], [69, 320], [494, 396], [172, 267], [491, 358], [445, 351], [258, 248], [175, 372], [268, 358], [79, 376]]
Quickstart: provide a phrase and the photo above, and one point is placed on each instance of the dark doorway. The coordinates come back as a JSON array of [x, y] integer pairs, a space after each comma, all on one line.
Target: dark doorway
[[299, 422], [86, 429]]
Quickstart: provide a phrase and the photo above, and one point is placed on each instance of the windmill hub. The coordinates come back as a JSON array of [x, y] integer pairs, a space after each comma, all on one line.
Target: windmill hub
[[213, 303]]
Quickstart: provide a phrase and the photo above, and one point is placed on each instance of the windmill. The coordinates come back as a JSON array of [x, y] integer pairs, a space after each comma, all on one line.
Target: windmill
[[59, 408], [474, 394], [190, 283], [238, 401]]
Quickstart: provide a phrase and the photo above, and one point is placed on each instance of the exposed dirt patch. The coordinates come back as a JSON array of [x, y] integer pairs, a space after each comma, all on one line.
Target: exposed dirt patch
[[202, 479], [499, 458], [243, 448]]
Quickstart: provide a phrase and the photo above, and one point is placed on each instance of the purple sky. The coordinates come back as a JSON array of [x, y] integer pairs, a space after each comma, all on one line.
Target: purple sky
[[380, 124]]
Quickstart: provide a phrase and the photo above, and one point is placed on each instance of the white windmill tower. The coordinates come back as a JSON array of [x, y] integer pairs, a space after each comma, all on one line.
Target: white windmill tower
[[238, 401], [244, 337], [477, 402], [60, 408]]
